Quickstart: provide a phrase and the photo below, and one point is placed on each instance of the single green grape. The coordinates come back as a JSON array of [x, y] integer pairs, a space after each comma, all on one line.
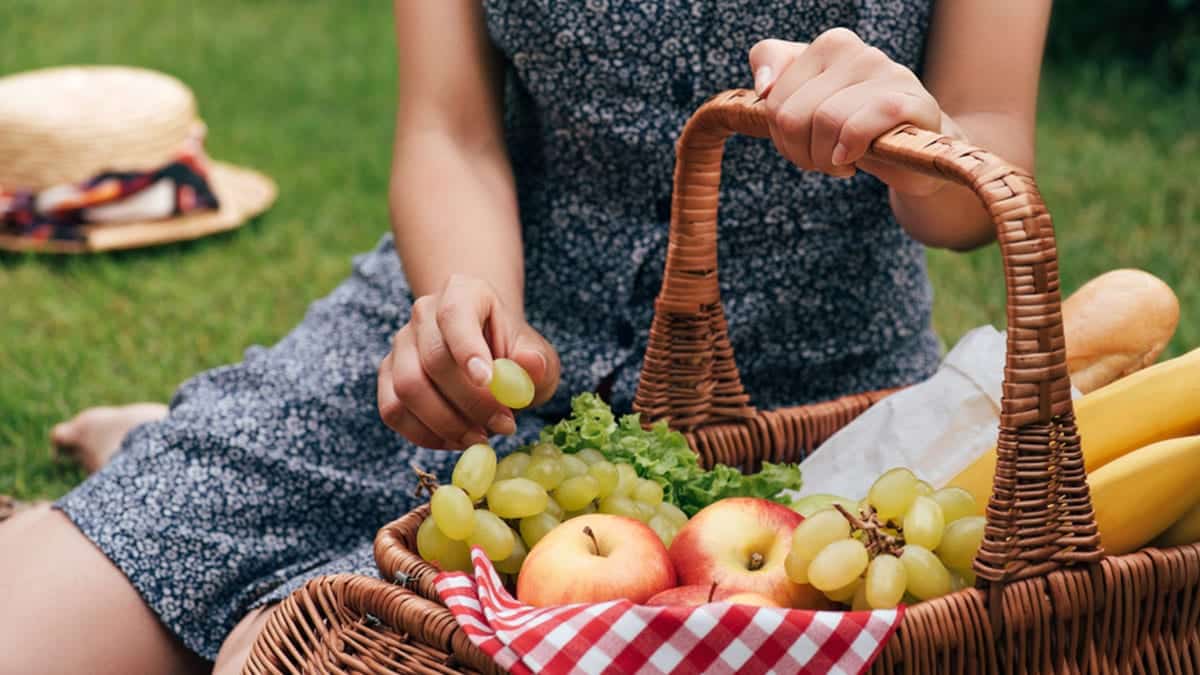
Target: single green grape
[[533, 528], [961, 542], [545, 471], [956, 503], [510, 384], [818, 531], [590, 456], [573, 466], [606, 475], [845, 593], [451, 509], [927, 576], [589, 508], [838, 564], [924, 523], [796, 568], [576, 491], [648, 492], [860, 602], [886, 581], [512, 564], [892, 493], [645, 511], [516, 498], [810, 504], [546, 449], [619, 505], [512, 466], [627, 479], [673, 513], [437, 548], [555, 509], [475, 470], [664, 528], [492, 535]]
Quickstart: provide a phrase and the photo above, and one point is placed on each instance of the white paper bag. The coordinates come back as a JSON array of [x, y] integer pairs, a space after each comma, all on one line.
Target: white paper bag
[[935, 428]]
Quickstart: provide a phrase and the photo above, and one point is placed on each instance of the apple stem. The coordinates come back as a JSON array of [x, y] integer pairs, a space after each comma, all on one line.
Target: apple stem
[[592, 535], [756, 561], [712, 591]]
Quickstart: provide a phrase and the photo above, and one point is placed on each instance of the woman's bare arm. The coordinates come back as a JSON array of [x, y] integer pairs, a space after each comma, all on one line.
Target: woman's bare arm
[[453, 204], [982, 64]]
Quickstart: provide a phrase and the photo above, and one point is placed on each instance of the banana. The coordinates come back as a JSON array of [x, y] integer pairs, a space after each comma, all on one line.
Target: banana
[[1138, 496], [1186, 530], [1160, 402]]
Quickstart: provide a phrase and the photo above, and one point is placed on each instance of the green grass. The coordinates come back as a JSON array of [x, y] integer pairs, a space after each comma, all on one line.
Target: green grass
[[305, 91]]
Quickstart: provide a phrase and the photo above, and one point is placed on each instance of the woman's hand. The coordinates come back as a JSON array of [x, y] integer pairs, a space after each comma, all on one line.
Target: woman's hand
[[828, 100], [433, 384]]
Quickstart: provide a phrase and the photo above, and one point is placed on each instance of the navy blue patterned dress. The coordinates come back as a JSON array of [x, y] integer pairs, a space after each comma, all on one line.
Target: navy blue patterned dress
[[277, 469]]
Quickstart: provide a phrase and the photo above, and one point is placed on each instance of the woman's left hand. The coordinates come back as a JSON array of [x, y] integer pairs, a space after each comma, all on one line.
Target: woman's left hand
[[830, 99]]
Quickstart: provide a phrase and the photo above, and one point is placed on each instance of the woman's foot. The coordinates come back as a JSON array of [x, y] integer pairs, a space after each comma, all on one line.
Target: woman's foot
[[93, 436]]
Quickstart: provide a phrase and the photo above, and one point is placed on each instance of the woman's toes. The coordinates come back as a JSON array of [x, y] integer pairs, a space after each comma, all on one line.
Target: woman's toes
[[94, 435]]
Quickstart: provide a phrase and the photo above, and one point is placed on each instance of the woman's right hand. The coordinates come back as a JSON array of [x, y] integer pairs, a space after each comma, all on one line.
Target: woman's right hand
[[433, 384]]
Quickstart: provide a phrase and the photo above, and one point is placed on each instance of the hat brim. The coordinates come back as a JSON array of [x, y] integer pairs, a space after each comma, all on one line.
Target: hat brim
[[243, 193]]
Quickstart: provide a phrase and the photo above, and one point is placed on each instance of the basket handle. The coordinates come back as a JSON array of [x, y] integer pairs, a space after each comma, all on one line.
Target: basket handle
[[1039, 515]]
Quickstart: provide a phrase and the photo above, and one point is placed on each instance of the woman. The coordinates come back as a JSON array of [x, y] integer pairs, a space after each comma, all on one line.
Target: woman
[[530, 193]]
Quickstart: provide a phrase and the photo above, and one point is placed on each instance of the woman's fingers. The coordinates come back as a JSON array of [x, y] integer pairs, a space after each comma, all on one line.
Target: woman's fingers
[[532, 352], [393, 413], [421, 398], [769, 59], [475, 404], [465, 307]]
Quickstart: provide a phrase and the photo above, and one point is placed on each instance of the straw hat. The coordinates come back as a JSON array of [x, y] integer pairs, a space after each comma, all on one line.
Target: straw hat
[[63, 126]]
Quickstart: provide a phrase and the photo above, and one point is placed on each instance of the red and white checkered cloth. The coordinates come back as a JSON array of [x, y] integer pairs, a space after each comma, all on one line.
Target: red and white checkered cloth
[[621, 637]]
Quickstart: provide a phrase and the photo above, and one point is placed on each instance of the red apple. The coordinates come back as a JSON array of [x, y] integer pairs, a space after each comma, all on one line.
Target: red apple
[[740, 543], [595, 558], [748, 598], [689, 596]]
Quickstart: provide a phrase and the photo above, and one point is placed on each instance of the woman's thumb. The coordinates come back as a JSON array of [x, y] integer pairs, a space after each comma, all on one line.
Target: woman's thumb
[[769, 58], [533, 353]]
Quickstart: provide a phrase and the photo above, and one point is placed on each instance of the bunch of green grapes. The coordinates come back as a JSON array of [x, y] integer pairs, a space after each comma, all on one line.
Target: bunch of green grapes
[[908, 542], [506, 507]]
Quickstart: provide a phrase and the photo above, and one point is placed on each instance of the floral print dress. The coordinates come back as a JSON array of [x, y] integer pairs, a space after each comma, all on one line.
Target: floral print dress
[[276, 469]]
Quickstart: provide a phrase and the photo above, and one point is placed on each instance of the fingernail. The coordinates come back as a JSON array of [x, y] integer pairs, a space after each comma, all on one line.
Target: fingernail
[[839, 154], [502, 424], [479, 370], [762, 79], [473, 438]]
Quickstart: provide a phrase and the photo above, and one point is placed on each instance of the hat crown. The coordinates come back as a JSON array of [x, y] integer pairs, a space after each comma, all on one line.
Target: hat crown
[[67, 124]]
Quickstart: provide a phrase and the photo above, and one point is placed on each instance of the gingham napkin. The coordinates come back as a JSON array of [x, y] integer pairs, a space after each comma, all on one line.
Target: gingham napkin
[[621, 637]]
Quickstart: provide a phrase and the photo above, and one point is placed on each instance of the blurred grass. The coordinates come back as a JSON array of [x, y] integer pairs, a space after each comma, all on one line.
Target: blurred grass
[[305, 91]]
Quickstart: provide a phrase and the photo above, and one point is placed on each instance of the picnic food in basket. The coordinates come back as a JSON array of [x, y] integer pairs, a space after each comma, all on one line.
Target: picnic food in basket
[[1115, 325], [1046, 596]]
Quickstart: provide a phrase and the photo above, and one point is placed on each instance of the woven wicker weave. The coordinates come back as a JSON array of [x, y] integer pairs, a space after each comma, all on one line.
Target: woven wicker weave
[[1048, 601]]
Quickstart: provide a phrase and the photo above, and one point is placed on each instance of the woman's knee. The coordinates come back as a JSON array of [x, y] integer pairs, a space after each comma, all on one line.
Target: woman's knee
[[235, 651]]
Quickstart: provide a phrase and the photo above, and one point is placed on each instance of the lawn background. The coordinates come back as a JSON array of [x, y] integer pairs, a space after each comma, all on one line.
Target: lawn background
[[306, 92]]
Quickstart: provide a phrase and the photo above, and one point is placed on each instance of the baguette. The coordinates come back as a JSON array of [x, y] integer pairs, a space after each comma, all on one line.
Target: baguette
[[1117, 324]]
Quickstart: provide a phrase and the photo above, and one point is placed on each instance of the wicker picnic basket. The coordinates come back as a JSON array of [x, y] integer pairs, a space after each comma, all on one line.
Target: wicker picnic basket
[[1047, 599]]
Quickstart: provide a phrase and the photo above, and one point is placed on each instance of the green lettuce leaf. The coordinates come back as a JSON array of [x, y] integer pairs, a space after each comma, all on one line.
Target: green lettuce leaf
[[663, 455]]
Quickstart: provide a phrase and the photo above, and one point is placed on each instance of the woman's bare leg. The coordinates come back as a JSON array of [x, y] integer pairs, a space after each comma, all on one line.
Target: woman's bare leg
[[95, 434], [67, 609], [235, 651]]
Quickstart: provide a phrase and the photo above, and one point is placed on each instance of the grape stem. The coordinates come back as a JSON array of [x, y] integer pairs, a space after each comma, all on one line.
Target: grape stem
[[592, 535], [426, 482], [868, 523]]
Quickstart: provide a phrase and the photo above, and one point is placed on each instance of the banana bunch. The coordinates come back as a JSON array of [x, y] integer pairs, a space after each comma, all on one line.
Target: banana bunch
[[1140, 439]]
